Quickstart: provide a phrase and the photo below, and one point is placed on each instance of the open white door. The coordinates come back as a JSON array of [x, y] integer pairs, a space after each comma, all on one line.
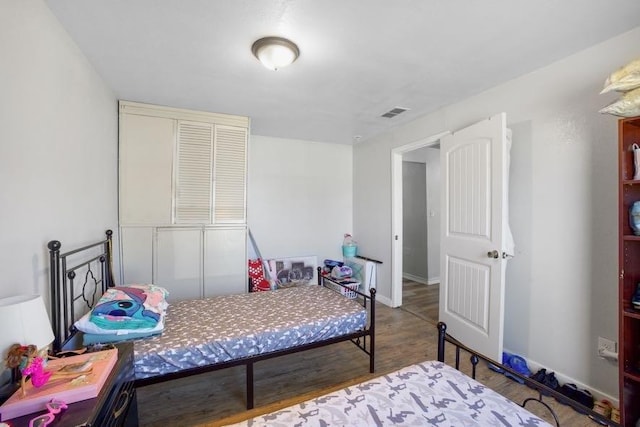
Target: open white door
[[473, 259]]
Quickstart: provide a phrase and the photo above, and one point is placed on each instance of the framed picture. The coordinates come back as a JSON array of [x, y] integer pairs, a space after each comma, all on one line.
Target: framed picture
[[294, 271]]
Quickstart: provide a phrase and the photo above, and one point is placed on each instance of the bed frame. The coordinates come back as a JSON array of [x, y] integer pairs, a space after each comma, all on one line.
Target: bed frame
[[475, 358], [80, 276]]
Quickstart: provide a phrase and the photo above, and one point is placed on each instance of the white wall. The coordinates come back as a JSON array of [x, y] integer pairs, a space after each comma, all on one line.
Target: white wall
[[433, 213], [299, 197], [414, 221], [430, 156], [58, 146], [562, 285]]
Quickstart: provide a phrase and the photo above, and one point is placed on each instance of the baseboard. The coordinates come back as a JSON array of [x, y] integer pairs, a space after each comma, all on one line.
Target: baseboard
[[418, 279], [413, 278], [384, 300]]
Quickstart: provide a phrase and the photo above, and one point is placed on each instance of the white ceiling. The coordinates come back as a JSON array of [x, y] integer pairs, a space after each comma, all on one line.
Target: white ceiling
[[359, 58]]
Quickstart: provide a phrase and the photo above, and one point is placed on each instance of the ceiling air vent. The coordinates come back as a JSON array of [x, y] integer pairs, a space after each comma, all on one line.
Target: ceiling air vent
[[394, 112]]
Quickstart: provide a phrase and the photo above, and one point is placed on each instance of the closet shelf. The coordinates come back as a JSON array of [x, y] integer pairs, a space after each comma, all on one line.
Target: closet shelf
[[634, 314]]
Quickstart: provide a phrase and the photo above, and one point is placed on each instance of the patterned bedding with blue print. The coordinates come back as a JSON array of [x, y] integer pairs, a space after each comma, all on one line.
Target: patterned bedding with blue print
[[218, 329]]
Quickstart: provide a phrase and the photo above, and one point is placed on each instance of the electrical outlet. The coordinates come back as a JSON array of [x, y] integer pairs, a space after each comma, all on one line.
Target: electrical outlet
[[606, 344]]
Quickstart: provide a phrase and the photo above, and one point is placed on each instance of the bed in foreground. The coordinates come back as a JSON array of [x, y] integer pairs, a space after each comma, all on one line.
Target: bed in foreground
[[426, 393], [213, 333]]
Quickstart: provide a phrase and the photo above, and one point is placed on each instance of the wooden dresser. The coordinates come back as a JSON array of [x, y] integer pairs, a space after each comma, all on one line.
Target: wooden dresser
[[629, 275]]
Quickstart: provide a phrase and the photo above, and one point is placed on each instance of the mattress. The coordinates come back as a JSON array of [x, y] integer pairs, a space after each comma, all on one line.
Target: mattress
[[428, 393], [220, 329]]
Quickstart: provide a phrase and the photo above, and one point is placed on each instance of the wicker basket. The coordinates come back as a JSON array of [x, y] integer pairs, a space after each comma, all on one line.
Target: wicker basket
[[348, 289]]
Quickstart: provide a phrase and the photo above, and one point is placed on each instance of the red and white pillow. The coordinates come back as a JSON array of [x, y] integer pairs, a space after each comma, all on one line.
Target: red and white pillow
[[256, 275]]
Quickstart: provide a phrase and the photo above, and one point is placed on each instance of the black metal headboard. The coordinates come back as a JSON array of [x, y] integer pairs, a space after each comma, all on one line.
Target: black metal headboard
[[91, 265]]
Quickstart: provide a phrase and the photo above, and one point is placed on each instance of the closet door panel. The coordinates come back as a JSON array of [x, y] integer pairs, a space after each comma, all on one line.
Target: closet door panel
[[178, 262], [230, 175], [146, 169], [225, 261], [137, 254], [193, 188]]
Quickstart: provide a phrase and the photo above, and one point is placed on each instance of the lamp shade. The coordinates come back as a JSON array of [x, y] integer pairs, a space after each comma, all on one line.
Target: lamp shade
[[275, 52], [24, 320]]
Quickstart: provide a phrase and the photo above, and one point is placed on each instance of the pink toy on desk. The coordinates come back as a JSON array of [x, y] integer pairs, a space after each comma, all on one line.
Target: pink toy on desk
[[67, 382], [39, 376]]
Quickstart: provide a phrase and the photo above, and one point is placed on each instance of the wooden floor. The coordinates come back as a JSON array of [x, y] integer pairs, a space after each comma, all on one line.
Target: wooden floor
[[421, 300], [402, 338]]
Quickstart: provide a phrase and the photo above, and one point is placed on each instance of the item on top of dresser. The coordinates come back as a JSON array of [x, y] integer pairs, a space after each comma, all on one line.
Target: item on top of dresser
[[624, 79], [78, 386], [33, 366], [627, 106], [53, 407]]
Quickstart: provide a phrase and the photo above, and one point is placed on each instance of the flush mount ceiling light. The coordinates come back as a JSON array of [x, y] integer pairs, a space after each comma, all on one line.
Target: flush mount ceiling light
[[275, 52]]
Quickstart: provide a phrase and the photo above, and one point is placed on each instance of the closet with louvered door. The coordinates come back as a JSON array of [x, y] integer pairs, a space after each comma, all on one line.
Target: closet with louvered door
[[183, 214]]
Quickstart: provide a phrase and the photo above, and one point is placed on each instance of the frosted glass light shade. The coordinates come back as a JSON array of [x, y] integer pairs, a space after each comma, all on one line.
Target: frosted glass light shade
[[275, 52], [24, 320]]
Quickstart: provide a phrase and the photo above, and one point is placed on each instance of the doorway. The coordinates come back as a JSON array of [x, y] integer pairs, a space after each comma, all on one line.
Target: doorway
[[421, 232], [474, 243], [397, 263]]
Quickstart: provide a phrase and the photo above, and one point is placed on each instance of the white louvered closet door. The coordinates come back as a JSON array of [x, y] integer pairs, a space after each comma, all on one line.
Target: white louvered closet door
[[193, 182], [183, 199], [230, 175]]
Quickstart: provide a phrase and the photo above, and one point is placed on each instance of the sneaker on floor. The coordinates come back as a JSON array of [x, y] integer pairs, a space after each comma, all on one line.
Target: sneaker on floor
[[569, 390], [519, 365], [495, 368], [550, 381], [581, 396], [505, 362], [539, 376], [584, 397]]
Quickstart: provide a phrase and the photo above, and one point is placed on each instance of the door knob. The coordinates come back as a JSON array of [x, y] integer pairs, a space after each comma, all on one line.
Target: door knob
[[493, 254]]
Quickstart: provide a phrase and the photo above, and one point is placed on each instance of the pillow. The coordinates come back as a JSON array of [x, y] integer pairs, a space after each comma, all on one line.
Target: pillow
[[256, 275], [139, 308], [624, 79], [627, 106]]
